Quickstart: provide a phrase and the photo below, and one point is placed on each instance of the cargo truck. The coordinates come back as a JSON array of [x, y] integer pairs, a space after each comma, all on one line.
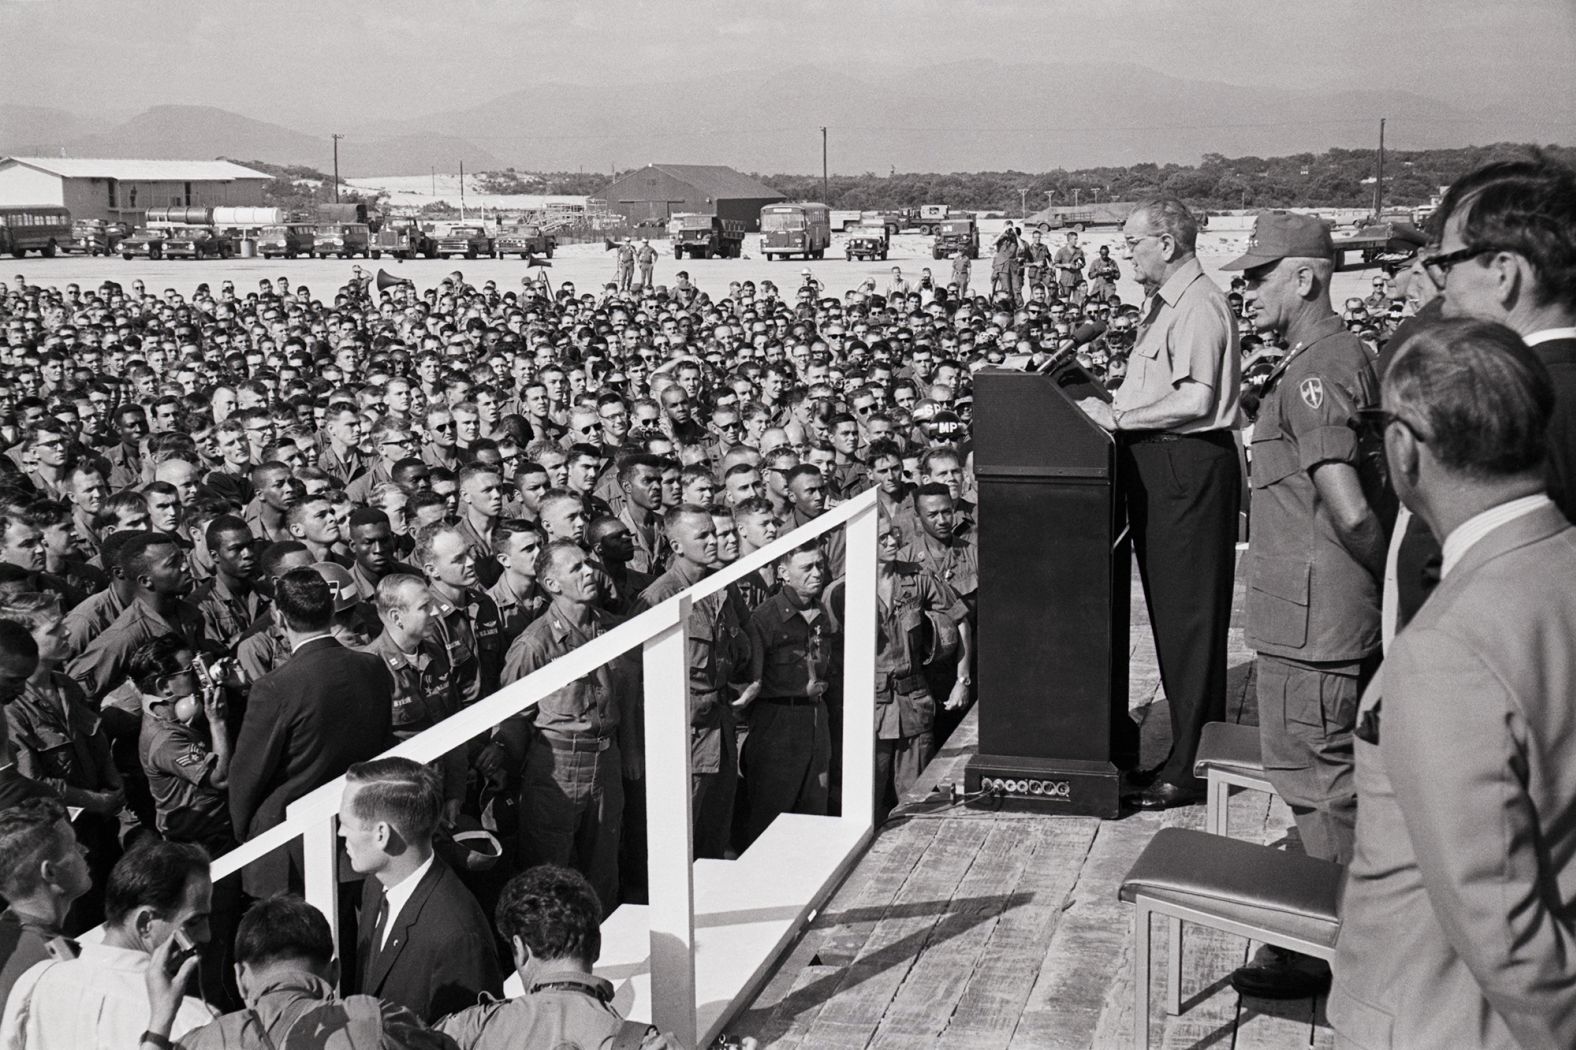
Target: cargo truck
[[705, 236]]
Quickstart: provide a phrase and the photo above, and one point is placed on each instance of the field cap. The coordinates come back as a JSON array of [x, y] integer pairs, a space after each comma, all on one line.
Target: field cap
[[1279, 235]]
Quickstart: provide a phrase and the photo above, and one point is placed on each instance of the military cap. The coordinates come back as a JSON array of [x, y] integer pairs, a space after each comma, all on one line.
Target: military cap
[[1282, 235]]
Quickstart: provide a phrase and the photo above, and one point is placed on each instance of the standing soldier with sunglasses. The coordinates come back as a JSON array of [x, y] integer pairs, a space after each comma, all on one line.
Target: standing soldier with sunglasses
[[1316, 560]]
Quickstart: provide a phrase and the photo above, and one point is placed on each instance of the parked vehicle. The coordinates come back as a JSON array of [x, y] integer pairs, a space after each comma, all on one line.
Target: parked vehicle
[[1079, 218], [803, 229], [197, 242], [867, 241], [42, 228], [895, 220], [343, 239], [705, 236], [469, 241], [843, 218], [286, 240], [146, 242], [525, 241], [405, 240], [97, 237], [931, 216], [960, 231]]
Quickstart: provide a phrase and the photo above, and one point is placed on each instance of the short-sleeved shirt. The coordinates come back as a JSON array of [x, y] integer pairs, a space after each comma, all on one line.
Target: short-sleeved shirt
[[1187, 331], [794, 649], [1308, 598], [179, 764], [904, 706]]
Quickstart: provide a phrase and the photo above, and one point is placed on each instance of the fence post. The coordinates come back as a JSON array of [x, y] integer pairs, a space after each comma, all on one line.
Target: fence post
[[859, 671], [320, 863], [669, 828]]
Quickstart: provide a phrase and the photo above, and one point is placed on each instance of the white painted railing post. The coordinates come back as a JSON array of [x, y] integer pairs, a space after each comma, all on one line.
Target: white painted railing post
[[859, 670], [670, 829], [320, 868]]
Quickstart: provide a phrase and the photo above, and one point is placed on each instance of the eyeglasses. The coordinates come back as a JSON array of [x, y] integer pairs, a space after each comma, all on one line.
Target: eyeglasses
[[1378, 420], [443, 426], [1438, 267]]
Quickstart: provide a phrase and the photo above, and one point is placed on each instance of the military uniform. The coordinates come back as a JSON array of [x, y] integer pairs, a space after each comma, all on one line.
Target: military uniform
[[261, 650], [101, 666], [905, 707], [795, 652], [650, 543], [562, 1008], [567, 751], [472, 637], [646, 257], [1312, 609], [515, 610], [718, 650], [488, 568], [1069, 274], [960, 274], [424, 695], [344, 469], [956, 564], [626, 266], [225, 614], [179, 763]]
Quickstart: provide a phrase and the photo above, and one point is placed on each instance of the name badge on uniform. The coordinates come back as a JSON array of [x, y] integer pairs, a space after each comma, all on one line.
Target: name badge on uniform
[[1312, 391]]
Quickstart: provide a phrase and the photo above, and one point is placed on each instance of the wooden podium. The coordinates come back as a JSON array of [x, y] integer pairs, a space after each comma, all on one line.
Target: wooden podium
[[1053, 598]]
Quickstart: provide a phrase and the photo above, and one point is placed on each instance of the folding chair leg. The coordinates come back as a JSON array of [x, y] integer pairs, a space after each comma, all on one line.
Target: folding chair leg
[[1140, 975], [1173, 966]]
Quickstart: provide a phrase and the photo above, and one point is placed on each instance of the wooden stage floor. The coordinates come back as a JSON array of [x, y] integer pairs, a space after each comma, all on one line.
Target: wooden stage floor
[[980, 931]]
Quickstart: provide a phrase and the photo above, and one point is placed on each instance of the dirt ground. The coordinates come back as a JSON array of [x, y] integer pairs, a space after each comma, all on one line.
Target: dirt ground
[[589, 266]]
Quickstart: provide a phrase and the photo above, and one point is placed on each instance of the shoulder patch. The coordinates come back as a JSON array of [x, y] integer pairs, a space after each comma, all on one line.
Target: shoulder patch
[[1312, 390]]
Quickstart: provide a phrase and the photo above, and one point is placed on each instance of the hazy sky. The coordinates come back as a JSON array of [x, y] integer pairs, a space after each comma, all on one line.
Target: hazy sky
[[308, 63]]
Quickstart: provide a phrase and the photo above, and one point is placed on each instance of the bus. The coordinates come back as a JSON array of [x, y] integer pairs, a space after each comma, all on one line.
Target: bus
[[42, 228], [795, 229]]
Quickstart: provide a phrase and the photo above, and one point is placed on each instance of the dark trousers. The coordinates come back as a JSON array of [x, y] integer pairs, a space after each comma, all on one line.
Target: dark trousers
[[572, 812], [1182, 501]]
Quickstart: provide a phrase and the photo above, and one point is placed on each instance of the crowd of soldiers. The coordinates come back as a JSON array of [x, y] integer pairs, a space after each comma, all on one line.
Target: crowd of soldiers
[[477, 481]]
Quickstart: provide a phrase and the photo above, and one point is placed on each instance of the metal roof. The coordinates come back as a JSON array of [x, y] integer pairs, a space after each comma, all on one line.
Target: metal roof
[[139, 170], [720, 182]]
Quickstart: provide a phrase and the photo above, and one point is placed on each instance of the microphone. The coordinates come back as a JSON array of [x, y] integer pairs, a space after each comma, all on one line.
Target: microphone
[[1082, 336]]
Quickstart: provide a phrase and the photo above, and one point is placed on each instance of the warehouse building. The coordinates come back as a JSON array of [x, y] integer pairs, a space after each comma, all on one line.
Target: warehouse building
[[657, 191], [121, 190]]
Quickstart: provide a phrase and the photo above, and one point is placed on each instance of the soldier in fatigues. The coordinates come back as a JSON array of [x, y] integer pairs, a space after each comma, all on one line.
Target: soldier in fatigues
[[905, 706], [1316, 558], [626, 265], [573, 749], [646, 257], [795, 653], [718, 647]]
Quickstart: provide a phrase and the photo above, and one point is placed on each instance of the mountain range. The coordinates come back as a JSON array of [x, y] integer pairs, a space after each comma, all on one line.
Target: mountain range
[[960, 117]]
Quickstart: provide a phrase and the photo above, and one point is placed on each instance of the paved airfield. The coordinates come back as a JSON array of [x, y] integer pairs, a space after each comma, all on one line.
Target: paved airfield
[[589, 266]]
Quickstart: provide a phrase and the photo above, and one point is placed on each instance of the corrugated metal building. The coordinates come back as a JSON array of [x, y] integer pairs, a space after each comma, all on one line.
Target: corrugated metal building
[[121, 190], [659, 190]]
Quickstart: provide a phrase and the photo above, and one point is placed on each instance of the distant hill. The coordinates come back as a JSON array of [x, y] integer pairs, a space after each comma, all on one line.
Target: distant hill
[[204, 132]]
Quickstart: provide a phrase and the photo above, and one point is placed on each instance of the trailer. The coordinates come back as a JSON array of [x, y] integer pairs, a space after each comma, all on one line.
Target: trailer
[[1081, 217]]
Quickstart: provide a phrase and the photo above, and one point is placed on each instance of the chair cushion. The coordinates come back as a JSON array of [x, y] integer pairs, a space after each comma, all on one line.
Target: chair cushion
[[1289, 893], [1226, 745]]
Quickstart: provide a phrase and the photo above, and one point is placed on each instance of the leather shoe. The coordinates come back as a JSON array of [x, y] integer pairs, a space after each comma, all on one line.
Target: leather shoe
[[1276, 973], [1164, 795]]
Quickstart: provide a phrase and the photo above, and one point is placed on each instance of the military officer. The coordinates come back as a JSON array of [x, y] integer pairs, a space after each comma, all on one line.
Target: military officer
[[1317, 555]]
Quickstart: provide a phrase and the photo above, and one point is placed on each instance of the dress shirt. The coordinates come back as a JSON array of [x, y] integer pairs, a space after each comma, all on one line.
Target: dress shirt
[[398, 895], [315, 637], [1469, 532]]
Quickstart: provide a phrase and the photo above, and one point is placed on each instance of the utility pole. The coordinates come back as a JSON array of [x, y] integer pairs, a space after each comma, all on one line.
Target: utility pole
[[433, 170], [462, 191], [336, 136], [826, 193], [1023, 203], [1379, 182]]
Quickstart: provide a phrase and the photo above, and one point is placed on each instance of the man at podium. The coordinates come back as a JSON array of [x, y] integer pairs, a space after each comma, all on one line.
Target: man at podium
[[1173, 418]]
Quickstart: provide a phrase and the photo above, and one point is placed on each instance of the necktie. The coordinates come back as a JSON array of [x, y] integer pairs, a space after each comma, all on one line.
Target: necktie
[[380, 927]]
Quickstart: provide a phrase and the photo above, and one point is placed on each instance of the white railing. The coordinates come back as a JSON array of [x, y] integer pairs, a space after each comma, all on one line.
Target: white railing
[[662, 632]]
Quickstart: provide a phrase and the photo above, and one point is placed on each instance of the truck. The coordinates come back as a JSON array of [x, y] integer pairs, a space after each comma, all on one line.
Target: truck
[[931, 216], [405, 239], [959, 232], [98, 237], [286, 240], [894, 219], [803, 228], [1080, 217], [343, 239], [842, 218], [469, 241], [146, 242], [867, 241], [703, 236], [526, 241]]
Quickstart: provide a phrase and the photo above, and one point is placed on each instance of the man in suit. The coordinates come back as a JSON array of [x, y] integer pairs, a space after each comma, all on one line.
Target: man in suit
[[1459, 915], [422, 941], [1507, 253], [306, 722]]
